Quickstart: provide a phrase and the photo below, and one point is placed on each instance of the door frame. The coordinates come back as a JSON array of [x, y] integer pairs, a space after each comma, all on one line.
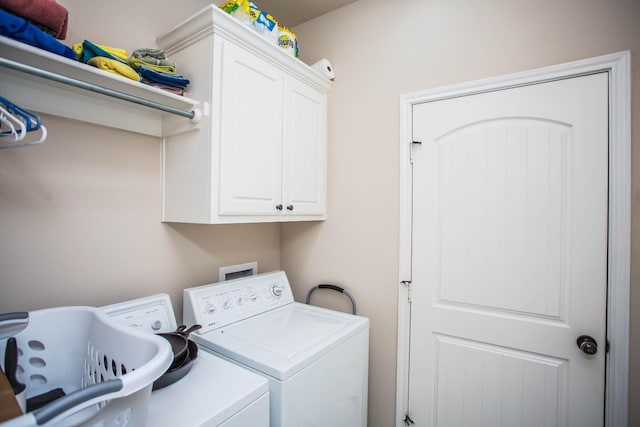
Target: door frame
[[618, 65]]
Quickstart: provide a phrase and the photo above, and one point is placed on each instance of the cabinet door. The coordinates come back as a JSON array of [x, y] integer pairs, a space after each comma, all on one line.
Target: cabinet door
[[250, 135], [304, 150]]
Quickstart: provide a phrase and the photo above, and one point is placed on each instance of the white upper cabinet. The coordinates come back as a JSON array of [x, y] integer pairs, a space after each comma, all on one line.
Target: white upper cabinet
[[304, 149], [250, 135], [259, 152]]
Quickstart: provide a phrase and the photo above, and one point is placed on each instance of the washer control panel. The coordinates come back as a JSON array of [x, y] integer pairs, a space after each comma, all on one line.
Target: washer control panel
[[219, 304]]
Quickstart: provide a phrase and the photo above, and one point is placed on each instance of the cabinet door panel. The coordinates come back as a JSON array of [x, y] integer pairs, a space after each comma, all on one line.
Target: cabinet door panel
[[250, 135], [304, 152]]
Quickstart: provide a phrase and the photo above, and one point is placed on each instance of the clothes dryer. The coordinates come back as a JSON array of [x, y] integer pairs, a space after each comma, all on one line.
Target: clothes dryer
[[213, 393]]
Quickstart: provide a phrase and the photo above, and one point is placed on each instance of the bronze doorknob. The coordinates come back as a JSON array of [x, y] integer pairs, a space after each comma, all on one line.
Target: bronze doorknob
[[587, 344]]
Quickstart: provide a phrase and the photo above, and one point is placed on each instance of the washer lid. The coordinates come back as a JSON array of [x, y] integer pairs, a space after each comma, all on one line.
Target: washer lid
[[283, 341]]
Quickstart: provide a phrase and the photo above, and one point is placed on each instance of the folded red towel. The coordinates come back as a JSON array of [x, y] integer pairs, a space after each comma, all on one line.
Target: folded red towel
[[43, 12]]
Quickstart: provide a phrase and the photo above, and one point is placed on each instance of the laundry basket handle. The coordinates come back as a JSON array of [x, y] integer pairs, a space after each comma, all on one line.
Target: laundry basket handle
[[12, 323], [59, 406], [335, 288]]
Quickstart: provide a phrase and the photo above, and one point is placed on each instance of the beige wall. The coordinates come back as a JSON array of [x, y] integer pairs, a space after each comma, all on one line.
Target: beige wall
[[80, 224], [381, 49], [80, 215]]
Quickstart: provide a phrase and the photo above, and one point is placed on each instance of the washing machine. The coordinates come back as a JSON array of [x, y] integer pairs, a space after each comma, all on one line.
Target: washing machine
[[214, 392], [315, 359]]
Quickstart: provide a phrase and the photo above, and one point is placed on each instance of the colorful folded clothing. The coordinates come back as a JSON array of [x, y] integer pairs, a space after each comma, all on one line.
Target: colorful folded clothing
[[87, 50], [114, 67], [43, 12], [174, 90], [166, 69], [173, 80], [152, 56], [23, 31]]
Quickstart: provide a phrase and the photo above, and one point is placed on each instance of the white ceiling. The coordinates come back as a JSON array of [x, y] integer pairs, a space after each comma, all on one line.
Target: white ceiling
[[290, 13]]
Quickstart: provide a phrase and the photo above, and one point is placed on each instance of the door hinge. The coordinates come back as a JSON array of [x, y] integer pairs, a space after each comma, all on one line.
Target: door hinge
[[407, 420], [407, 283], [413, 144]]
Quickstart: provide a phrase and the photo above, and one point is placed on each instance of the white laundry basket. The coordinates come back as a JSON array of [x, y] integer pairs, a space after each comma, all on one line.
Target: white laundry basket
[[106, 370]]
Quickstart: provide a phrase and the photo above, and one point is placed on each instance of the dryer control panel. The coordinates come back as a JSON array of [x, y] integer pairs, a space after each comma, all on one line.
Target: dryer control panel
[[153, 314], [219, 304]]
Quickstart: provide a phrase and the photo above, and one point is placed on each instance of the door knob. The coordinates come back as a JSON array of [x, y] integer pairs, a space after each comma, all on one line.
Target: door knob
[[587, 344], [279, 207], [289, 207]]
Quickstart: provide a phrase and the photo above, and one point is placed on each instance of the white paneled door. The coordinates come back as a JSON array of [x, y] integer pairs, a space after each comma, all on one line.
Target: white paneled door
[[509, 257]]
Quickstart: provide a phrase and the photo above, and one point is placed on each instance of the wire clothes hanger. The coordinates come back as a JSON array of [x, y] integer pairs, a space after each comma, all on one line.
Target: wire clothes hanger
[[15, 123]]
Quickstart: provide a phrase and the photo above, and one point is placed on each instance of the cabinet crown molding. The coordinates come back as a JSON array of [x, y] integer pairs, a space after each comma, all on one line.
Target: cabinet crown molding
[[213, 20]]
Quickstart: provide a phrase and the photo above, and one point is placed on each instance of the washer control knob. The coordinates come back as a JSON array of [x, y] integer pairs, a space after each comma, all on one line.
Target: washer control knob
[[156, 325], [240, 300], [276, 290], [253, 297], [226, 304], [210, 308]]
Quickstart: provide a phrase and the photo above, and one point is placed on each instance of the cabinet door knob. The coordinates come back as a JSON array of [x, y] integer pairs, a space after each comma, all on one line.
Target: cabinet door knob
[[279, 207], [289, 207]]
